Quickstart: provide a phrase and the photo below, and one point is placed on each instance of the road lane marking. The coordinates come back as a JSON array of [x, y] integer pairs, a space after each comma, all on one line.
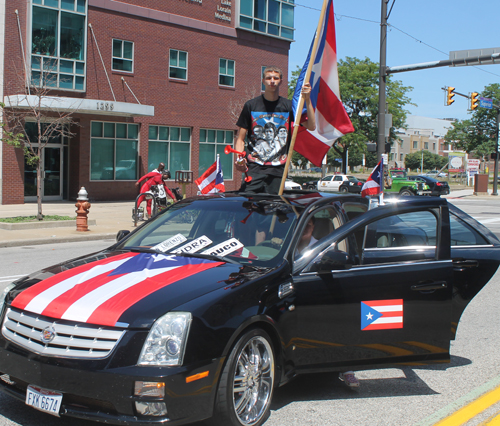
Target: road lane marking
[[451, 408], [490, 220], [9, 278], [463, 415]]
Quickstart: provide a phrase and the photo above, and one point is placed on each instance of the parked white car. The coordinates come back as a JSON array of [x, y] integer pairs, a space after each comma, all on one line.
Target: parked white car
[[332, 182], [290, 184]]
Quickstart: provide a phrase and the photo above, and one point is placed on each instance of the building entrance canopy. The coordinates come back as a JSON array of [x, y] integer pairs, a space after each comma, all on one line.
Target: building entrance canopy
[[79, 106]]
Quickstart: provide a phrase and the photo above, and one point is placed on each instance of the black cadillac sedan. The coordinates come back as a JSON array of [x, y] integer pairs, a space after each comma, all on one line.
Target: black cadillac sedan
[[436, 186], [206, 308]]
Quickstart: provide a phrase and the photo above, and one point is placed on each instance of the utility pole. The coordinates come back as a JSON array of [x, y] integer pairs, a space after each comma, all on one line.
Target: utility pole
[[382, 81], [495, 173]]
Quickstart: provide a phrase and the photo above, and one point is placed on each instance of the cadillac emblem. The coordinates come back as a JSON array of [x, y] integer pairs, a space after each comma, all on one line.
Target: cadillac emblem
[[48, 334]]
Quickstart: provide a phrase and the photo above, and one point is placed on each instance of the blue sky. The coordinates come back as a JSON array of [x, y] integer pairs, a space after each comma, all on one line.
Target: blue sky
[[422, 31]]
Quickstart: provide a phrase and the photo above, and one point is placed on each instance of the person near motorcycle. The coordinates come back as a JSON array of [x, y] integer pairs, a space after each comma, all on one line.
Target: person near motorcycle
[[153, 178]]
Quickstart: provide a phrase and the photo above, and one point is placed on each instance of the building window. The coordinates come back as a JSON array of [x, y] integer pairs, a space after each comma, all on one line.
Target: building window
[[426, 145], [169, 145], [213, 142], [415, 144], [262, 86], [123, 55], [226, 72], [272, 17], [434, 146], [178, 65], [113, 151], [58, 35]]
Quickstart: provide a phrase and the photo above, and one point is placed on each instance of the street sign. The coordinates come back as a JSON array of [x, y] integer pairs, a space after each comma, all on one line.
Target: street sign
[[474, 53], [486, 103], [473, 164]]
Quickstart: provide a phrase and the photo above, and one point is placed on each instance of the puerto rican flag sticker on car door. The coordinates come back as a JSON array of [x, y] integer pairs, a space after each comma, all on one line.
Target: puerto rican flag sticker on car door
[[382, 314]]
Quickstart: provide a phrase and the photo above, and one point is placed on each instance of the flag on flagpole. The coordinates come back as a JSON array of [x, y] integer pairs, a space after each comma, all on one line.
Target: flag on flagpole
[[375, 183], [332, 120], [212, 180]]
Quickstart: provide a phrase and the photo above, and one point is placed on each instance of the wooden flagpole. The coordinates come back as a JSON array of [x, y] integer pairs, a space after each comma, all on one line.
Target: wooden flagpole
[[300, 106]]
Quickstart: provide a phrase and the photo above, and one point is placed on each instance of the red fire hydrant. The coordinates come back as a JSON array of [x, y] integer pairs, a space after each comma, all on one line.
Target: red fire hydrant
[[83, 206]]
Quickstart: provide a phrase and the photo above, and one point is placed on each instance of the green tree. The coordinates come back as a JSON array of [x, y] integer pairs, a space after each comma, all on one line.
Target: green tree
[[477, 135], [359, 81], [47, 123]]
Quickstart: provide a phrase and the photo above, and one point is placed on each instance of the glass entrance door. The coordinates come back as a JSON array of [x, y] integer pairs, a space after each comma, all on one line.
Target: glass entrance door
[[51, 161]]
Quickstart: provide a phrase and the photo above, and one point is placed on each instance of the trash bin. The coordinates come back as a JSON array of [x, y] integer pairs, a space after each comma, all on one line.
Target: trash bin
[[481, 184]]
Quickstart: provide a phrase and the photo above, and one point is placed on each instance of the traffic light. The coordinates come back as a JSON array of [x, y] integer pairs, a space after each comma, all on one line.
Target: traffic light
[[450, 95], [493, 156], [474, 101]]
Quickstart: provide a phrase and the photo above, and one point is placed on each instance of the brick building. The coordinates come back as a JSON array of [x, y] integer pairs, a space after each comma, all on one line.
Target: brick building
[[143, 81]]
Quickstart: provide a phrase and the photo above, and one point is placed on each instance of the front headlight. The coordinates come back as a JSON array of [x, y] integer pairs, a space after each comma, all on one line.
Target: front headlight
[[4, 295], [166, 340]]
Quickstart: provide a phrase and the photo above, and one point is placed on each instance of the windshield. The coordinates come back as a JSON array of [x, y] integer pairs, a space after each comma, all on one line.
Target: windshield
[[398, 173], [253, 232]]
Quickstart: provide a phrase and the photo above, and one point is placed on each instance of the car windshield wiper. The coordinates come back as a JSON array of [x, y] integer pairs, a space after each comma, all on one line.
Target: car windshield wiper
[[142, 250], [205, 256]]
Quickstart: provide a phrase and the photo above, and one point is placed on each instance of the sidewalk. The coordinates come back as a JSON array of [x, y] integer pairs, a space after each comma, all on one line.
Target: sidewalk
[[109, 219]]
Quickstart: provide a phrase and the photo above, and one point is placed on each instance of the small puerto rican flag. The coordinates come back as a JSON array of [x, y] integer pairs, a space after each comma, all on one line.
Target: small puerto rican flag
[[375, 183], [382, 314]]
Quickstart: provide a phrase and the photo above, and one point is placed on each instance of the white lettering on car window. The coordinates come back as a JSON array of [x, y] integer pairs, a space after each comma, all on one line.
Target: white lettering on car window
[[224, 248], [170, 243], [195, 245]]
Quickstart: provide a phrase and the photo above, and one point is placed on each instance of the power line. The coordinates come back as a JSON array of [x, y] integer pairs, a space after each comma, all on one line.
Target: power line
[[339, 17]]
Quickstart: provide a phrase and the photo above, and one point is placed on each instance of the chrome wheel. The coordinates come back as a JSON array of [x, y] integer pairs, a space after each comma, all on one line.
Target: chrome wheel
[[253, 380]]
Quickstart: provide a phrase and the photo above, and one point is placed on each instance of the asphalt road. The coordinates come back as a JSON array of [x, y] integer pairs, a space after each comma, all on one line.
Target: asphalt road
[[413, 396]]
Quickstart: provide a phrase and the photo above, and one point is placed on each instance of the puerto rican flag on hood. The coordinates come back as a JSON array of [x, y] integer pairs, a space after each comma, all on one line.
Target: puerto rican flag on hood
[[375, 183], [332, 120], [100, 292]]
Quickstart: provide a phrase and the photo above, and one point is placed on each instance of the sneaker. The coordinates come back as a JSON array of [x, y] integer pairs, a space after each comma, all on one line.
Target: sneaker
[[349, 379]]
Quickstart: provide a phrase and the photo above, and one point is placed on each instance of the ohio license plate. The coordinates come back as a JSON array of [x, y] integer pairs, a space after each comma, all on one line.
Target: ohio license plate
[[44, 400]]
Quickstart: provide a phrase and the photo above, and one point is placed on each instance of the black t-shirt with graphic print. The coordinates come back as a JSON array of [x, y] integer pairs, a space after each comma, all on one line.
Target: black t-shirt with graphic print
[[268, 125]]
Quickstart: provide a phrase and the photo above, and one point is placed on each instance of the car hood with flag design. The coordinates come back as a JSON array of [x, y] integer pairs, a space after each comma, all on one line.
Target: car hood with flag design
[[102, 289]]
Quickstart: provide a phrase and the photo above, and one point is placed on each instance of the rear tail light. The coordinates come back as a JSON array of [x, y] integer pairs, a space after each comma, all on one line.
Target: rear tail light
[[439, 184]]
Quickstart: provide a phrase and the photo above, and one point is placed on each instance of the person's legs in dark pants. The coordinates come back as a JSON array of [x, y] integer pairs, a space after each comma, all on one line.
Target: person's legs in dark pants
[[260, 183]]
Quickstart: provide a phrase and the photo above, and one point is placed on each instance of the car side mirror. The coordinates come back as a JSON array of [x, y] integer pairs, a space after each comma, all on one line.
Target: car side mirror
[[332, 260], [122, 234]]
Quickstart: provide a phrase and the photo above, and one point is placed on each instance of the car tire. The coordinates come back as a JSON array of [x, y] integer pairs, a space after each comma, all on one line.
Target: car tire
[[406, 192], [343, 189], [249, 368], [312, 187]]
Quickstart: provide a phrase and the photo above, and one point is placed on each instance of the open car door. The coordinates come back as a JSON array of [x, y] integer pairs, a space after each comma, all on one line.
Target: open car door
[[475, 252]]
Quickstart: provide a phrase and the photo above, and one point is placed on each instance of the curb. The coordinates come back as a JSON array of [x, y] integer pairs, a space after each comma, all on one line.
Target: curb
[[43, 225], [54, 240]]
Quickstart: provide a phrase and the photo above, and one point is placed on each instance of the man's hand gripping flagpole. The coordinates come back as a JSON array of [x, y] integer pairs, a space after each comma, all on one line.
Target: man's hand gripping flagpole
[[300, 106]]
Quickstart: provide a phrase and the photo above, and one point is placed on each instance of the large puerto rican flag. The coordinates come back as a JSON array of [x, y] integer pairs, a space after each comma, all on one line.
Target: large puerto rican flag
[[212, 181], [332, 120], [100, 292], [375, 183], [382, 314]]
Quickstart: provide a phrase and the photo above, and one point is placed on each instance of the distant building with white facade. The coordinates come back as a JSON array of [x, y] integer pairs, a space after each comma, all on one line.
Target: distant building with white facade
[[422, 133]]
